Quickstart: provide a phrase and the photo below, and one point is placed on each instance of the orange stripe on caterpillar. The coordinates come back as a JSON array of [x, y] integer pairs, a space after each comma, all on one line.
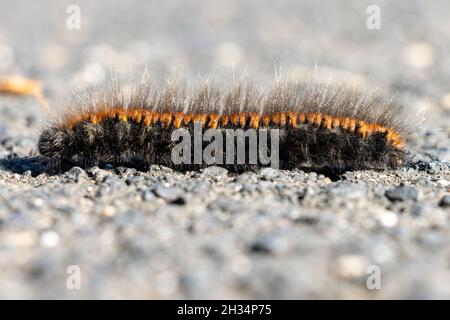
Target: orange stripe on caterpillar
[[240, 120]]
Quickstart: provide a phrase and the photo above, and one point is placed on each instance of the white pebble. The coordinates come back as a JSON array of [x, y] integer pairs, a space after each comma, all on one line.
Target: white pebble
[[351, 266], [388, 219], [49, 239]]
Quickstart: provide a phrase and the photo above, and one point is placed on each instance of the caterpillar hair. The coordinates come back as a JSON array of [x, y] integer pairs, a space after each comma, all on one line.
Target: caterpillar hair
[[321, 127]]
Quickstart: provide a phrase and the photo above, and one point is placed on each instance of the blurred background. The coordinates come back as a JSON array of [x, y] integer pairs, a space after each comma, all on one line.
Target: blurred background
[[79, 41]]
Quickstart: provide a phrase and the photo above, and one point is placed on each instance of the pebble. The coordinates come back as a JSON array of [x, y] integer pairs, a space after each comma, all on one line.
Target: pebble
[[38, 202], [268, 173], [98, 174], [351, 266], [49, 239], [402, 193], [113, 181], [170, 194], [76, 174], [269, 244], [148, 195], [388, 219], [422, 209], [108, 211], [134, 180], [214, 172], [436, 167], [424, 182], [445, 201], [126, 172]]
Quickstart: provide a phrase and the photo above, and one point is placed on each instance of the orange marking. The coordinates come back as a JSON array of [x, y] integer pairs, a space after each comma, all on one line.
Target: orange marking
[[254, 120], [166, 119], [345, 123], [187, 118], [178, 120], [352, 125], [310, 117], [155, 117], [318, 119], [327, 121], [266, 120], [275, 118], [147, 118], [203, 119], [196, 118], [242, 119], [138, 117], [234, 119], [301, 118], [224, 120], [336, 122], [213, 120], [363, 130], [283, 119], [292, 119]]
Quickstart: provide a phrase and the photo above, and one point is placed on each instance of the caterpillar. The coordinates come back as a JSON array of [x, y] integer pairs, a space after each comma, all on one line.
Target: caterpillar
[[319, 127]]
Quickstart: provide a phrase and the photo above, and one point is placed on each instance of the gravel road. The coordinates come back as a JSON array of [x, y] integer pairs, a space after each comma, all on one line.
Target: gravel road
[[214, 234]]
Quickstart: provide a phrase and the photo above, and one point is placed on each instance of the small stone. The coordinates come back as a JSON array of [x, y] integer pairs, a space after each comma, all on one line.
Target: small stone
[[98, 174], [76, 174], [110, 184], [424, 182], [312, 176], [445, 201], [269, 173], [134, 180], [388, 219], [351, 266], [402, 193], [108, 211], [443, 183], [214, 171], [421, 209], [124, 171], [170, 194], [27, 173], [147, 195], [435, 167], [38, 202], [49, 239], [269, 244], [248, 187], [113, 181]]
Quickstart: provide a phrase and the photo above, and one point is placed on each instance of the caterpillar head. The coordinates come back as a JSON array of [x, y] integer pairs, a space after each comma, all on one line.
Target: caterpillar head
[[56, 142]]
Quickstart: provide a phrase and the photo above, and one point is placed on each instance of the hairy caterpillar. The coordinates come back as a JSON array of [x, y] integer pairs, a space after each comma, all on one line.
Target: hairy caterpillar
[[320, 127]]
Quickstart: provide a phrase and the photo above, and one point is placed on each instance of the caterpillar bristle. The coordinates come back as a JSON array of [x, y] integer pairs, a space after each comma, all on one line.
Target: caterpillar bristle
[[320, 127]]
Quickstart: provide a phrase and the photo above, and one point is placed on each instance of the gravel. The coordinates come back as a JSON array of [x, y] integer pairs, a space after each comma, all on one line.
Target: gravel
[[214, 234], [402, 193]]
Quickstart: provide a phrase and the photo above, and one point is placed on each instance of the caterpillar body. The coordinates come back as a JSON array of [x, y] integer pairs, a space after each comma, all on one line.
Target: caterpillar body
[[318, 127]]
